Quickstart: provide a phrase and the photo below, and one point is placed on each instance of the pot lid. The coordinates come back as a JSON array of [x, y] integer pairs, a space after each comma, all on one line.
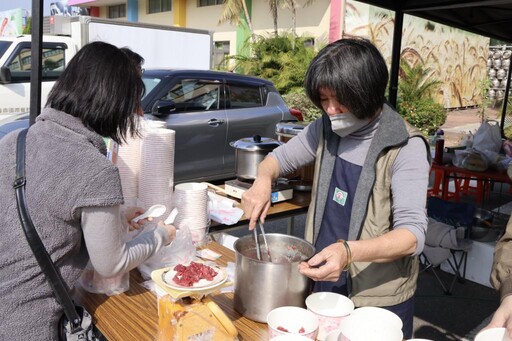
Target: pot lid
[[289, 128], [256, 143]]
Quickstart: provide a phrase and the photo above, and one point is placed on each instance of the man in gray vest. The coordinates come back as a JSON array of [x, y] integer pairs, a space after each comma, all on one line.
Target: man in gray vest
[[367, 217]]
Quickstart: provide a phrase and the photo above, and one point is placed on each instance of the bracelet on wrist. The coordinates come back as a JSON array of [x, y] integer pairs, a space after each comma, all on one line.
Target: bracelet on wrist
[[349, 253]]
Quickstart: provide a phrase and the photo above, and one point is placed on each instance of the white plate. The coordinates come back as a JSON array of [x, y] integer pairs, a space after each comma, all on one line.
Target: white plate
[[221, 277]]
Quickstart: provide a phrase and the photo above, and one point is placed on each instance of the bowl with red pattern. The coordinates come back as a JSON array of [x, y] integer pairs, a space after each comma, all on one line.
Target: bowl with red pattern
[[292, 320], [330, 308]]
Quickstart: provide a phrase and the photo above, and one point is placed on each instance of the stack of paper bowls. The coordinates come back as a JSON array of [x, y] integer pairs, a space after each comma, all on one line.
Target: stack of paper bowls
[[128, 162], [156, 178], [191, 200]]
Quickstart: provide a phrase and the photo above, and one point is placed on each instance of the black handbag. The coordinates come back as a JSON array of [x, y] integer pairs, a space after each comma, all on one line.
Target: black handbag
[[76, 322]]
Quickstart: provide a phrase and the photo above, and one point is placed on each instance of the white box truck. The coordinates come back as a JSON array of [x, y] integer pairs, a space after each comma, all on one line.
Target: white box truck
[[161, 46]]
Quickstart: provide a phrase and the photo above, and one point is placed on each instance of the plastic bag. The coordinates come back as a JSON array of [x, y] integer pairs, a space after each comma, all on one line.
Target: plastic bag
[[93, 282], [180, 251], [223, 210], [487, 137]]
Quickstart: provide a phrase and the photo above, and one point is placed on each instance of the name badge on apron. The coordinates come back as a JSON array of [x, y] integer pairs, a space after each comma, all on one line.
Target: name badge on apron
[[340, 196]]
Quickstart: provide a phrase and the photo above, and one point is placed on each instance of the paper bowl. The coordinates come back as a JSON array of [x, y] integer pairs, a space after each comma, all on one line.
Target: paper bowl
[[376, 314], [330, 309], [293, 321], [493, 334], [359, 328]]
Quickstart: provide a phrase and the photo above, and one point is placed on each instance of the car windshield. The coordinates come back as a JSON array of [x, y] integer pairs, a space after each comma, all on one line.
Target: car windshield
[[4, 45], [150, 83]]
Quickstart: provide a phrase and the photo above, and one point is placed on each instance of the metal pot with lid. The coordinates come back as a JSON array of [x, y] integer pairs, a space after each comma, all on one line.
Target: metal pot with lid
[[249, 152], [302, 179], [286, 130]]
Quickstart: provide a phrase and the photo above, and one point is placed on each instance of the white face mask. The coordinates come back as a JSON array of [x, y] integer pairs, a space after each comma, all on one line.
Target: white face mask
[[346, 123]]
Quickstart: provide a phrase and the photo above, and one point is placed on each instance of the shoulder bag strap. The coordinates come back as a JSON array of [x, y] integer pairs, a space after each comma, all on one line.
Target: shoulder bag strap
[[43, 258]]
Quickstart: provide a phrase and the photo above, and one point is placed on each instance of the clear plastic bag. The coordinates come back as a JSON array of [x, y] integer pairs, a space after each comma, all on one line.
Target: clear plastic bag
[[93, 282], [180, 251], [487, 137]]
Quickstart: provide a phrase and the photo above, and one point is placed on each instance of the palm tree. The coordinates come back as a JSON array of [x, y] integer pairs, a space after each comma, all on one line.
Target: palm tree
[[415, 82], [231, 14], [273, 10], [292, 5]]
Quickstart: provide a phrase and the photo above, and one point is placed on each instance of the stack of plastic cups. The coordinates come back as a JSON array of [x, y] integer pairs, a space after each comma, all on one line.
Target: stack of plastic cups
[[191, 200]]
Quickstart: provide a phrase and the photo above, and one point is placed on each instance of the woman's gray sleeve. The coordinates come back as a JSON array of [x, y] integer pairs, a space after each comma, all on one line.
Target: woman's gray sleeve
[[110, 249], [409, 184], [300, 150]]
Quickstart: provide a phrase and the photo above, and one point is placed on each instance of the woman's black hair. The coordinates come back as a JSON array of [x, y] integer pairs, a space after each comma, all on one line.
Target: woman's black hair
[[355, 70], [102, 86]]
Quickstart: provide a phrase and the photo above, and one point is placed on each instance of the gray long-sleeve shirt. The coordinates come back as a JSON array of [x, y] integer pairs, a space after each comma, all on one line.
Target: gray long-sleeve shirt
[[409, 172]]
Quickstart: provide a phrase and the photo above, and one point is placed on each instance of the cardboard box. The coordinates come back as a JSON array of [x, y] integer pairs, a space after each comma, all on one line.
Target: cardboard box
[[479, 263]]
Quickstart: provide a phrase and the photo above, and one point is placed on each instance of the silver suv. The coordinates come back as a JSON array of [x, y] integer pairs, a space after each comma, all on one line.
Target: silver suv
[[208, 110]]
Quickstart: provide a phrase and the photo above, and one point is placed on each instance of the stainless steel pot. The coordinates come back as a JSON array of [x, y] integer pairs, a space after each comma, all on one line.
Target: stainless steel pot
[[249, 152], [261, 286]]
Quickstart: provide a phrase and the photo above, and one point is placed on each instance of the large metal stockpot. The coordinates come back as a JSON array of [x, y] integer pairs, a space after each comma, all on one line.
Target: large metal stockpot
[[249, 152], [260, 285]]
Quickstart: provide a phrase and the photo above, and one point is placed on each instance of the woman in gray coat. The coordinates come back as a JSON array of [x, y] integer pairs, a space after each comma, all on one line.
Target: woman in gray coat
[[73, 191]]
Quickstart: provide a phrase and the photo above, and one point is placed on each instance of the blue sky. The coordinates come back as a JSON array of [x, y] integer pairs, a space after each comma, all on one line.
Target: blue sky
[[25, 4]]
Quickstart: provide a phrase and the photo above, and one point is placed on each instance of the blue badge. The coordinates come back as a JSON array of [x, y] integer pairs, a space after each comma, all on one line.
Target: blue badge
[[340, 196]]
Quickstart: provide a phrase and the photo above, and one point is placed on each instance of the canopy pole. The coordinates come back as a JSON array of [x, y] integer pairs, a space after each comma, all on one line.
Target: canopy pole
[[505, 101], [36, 60], [395, 56]]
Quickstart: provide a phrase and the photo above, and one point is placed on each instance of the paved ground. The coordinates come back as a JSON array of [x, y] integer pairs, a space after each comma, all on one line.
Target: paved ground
[[460, 122]]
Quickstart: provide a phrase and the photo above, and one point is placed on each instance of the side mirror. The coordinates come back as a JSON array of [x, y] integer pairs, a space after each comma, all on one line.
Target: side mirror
[[5, 75], [161, 108]]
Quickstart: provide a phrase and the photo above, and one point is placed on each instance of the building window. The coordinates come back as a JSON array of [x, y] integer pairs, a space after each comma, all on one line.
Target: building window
[[117, 11], [220, 53], [157, 6], [203, 3], [309, 42]]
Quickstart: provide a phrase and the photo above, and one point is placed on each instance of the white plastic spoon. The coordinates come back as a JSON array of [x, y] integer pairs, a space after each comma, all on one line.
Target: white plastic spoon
[[171, 217], [154, 211]]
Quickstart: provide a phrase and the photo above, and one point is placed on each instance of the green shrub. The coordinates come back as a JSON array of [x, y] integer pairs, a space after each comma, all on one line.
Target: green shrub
[[425, 114], [299, 100]]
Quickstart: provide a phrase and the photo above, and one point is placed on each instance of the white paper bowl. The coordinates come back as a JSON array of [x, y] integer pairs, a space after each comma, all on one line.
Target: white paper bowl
[[191, 186], [330, 309], [292, 319], [376, 314], [359, 328], [493, 334]]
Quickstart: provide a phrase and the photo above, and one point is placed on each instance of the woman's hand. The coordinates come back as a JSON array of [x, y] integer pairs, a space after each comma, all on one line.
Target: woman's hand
[[327, 265], [132, 212], [256, 201], [503, 316], [171, 229]]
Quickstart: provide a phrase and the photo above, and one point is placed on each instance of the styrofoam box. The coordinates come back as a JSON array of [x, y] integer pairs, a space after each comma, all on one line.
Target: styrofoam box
[[479, 263]]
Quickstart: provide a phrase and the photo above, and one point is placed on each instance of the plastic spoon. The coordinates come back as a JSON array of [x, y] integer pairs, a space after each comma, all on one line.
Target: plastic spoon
[[171, 217], [154, 211]]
